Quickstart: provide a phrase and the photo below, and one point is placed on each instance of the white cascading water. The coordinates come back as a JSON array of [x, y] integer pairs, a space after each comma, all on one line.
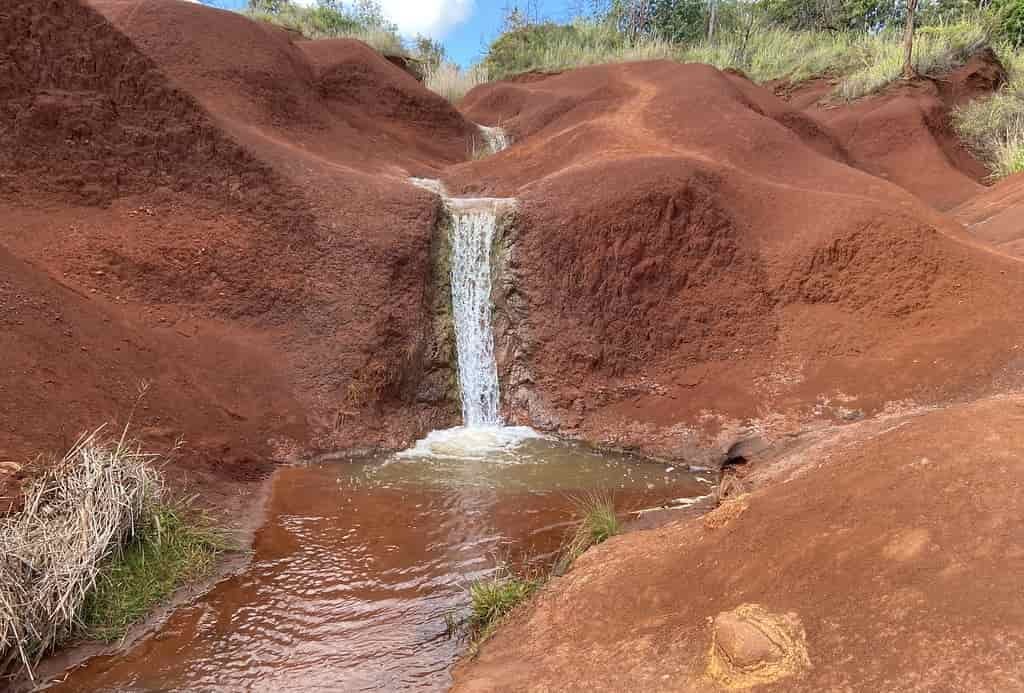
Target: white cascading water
[[472, 237], [497, 139], [483, 434]]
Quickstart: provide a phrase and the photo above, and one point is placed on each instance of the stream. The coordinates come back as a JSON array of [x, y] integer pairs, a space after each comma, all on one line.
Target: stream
[[358, 564]]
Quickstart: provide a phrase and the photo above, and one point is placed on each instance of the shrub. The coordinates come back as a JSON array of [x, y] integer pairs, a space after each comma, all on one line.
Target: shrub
[[994, 129], [1009, 16], [325, 21]]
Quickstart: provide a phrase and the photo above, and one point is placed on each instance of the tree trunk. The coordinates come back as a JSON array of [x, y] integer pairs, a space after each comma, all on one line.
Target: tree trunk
[[712, 17], [908, 42]]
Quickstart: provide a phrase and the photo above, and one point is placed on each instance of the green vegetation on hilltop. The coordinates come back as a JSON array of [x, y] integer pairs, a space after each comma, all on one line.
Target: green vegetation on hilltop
[[993, 127], [859, 43], [361, 20]]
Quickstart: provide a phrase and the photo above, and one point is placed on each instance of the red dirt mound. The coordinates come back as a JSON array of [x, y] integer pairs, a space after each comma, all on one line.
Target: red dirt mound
[[696, 261], [896, 546], [234, 203], [904, 134], [337, 99], [997, 215]]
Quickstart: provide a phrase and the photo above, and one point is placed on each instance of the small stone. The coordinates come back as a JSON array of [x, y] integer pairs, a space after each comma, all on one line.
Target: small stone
[[751, 646]]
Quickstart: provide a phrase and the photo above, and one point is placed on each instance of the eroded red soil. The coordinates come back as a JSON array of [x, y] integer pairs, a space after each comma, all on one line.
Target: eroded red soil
[[207, 209], [895, 542], [699, 260], [196, 201]]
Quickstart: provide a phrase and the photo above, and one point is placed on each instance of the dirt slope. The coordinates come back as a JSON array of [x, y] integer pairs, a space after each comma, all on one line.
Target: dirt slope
[[896, 544], [904, 134], [216, 209], [997, 215], [697, 261]]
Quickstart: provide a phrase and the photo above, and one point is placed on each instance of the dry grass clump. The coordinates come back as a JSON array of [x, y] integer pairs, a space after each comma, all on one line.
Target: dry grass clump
[[52, 552], [452, 82]]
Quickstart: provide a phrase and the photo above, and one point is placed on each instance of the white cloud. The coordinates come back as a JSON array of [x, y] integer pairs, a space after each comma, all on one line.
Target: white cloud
[[428, 17]]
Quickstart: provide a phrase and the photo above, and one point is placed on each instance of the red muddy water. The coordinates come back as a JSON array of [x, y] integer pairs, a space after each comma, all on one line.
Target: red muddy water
[[358, 564]]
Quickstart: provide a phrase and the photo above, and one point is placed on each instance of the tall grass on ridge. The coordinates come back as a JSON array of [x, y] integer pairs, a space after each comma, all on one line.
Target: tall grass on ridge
[[452, 82], [322, 23], [865, 62], [936, 50], [993, 128]]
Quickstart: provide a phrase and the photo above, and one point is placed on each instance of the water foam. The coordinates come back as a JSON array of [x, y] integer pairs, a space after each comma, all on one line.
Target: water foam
[[471, 443]]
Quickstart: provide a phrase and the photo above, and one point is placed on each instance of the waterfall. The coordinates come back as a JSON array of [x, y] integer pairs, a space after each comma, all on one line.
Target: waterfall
[[472, 237], [495, 138], [483, 433]]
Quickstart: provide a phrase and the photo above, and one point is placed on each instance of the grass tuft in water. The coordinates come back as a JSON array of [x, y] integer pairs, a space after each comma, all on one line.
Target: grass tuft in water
[[169, 549], [491, 599], [598, 522]]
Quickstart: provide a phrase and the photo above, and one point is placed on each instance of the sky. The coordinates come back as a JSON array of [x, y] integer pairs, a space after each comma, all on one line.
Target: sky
[[465, 27]]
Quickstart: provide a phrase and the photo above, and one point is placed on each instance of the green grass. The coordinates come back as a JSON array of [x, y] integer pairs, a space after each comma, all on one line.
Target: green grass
[[865, 62], [322, 23], [168, 550], [491, 599], [598, 522], [993, 127]]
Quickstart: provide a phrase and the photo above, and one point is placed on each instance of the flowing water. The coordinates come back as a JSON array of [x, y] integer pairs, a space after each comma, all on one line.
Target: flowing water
[[359, 563], [497, 140], [473, 231]]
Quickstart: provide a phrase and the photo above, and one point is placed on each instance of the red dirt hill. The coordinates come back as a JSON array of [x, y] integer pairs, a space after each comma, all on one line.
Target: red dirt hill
[[997, 215], [697, 260], [193, 199], [894, 543], [905, 134]]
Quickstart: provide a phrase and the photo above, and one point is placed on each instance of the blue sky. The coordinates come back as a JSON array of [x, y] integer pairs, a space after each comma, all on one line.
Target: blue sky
[[465, 27]]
